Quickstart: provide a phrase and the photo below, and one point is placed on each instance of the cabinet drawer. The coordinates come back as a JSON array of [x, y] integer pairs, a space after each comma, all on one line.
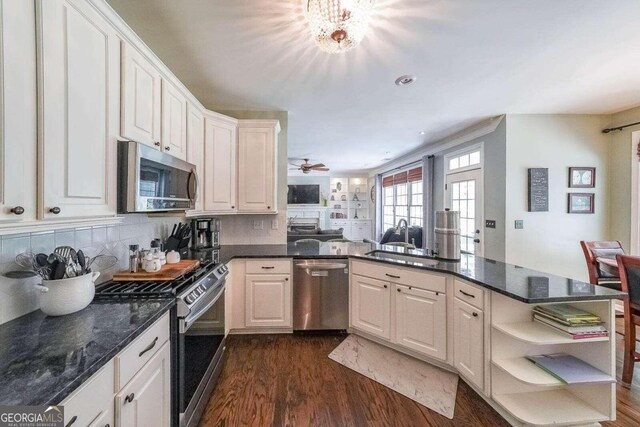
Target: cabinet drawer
[[339, 223], [268, 266], [404, 276], [361, 223], [469, 294], [93, 400], [134, 357]]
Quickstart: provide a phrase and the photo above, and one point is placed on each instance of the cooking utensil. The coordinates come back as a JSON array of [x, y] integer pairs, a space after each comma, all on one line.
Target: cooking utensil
[[82, 261], [58, 270]]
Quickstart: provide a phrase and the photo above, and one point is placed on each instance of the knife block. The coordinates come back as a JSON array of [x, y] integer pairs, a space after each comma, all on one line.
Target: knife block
[[179, 245]]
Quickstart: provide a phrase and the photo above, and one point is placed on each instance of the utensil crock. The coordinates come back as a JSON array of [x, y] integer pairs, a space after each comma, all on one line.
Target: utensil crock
[[66, 296]]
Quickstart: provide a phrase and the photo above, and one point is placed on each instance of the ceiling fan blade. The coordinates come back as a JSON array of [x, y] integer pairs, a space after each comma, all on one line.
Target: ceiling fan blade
[[294, 169], [317, 165], [293, 164], [321, 169]]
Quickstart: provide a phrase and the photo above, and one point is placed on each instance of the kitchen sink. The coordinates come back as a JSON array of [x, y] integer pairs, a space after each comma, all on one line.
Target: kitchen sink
[[419, 259]]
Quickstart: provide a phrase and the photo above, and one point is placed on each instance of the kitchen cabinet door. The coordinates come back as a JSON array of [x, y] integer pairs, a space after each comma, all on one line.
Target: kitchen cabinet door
[[174, 121], [18, 111], [257, 166], [468, 341], [91, 404], [141, 93], [360, 232], [220, 165], [370, 306], [80, 99], [268, 300], [195, 148], [146, 399], [421, 320]]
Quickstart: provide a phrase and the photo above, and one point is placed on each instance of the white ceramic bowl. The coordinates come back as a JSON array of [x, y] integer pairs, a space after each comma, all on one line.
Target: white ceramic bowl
[[66, 296]]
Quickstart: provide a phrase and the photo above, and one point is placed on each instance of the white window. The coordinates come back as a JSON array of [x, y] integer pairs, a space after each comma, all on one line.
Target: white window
[[402, 198], [464, 161]]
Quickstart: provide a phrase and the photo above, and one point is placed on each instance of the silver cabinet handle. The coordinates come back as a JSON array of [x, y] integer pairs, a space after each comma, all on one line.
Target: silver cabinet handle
[[72, 420], [149, 347], [18, 210], [129, 398]]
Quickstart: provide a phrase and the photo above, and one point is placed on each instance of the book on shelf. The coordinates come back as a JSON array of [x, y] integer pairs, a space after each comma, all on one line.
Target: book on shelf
[[564, 322], [577, 335], [570, 369], [570, 329], [567, 313]]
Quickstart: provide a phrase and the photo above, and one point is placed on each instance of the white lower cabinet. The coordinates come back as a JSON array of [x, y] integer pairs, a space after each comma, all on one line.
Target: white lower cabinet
[[468, 341], [146, 399], [141, 397], [421, 321], [370, 306], [268, 300]]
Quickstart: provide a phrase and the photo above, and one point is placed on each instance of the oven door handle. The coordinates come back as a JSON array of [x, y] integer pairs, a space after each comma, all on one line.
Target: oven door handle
[[188, 321]]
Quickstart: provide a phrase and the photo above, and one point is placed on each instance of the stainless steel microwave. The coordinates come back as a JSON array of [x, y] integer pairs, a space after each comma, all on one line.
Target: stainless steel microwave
[[152, 181]]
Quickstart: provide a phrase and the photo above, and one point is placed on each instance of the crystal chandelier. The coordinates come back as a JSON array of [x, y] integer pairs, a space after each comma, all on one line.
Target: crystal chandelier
[[338, 25]]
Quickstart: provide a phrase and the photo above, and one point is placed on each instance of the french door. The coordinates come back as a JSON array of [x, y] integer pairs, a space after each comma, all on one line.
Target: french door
[[464, 194]]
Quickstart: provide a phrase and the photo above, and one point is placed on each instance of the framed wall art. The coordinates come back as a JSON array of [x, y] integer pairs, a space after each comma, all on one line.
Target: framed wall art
[[582, 177], [582, 203]]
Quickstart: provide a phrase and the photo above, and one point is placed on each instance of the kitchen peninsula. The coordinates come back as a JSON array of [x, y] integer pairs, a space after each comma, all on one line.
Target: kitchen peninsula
[[473, 317]]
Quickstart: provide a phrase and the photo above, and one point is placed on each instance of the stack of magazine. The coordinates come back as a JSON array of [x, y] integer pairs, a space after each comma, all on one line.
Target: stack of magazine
[[575, 323]]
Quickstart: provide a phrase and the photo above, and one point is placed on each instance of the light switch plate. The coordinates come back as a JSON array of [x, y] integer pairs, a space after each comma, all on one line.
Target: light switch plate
[[274, 224], [490, 223], [258, 224], [519, 224]]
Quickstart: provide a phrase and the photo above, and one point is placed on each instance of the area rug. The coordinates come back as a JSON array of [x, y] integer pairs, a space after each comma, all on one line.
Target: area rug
[[426, 384]]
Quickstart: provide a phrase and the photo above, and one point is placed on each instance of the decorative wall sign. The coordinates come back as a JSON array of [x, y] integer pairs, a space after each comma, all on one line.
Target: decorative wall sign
[[538, 190], [583, 203], [580, 177]]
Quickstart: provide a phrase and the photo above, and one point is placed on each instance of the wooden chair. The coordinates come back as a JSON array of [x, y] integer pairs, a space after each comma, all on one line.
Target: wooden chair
[[629, 268], [599, 273]]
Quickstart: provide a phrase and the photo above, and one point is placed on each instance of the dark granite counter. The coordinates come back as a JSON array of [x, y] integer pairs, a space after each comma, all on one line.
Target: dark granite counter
[[522, 284], [44, 359]]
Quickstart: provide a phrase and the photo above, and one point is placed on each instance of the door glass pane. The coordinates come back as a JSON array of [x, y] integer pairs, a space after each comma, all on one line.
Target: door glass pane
[[463, 200]]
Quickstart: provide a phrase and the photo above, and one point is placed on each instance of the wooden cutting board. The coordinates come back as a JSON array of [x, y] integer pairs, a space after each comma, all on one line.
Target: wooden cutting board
[[168, 272]]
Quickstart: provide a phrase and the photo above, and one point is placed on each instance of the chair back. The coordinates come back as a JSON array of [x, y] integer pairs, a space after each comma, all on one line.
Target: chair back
[[629, 267], [600, 249]]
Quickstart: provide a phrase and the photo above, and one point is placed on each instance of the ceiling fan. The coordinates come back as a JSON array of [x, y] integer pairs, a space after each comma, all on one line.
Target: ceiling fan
[[307, 167]]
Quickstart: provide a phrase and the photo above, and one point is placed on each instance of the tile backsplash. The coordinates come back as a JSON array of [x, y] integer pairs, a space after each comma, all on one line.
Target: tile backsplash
[[18, 296]]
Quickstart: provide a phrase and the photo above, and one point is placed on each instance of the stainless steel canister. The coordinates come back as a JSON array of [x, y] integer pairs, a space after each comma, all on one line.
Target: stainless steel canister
[[447, 234]]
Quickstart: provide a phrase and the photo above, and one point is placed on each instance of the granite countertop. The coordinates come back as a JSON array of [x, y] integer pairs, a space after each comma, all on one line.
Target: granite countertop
[[44, 359], [523, 284]]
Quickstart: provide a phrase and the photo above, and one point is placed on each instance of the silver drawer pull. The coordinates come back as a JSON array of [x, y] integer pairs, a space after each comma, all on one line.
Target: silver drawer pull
[[466, 294], [72, 420], [149, 347]]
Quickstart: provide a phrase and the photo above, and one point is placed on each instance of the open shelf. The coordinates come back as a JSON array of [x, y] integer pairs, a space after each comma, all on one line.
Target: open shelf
[[526, 371], [539, 334], [557, 407]]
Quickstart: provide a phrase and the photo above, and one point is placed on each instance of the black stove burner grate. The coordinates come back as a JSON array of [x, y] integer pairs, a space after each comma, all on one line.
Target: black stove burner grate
[[149, 289]]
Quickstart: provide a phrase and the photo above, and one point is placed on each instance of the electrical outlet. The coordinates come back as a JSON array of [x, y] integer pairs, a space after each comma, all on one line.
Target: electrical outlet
[[274, 224], [519, 224], [257, 224]]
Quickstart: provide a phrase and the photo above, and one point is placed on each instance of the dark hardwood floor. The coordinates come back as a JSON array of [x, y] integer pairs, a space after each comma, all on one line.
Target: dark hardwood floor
[[288, 380]]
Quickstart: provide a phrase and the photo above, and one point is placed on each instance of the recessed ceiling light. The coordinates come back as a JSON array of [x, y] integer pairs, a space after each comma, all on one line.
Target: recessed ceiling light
[[421, 133], [405, 80]]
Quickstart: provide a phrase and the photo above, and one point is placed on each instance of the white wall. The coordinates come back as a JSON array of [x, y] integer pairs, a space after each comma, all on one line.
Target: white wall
[[550, 241]]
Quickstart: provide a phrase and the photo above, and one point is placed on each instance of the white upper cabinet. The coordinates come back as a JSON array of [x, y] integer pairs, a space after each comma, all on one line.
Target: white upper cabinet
[[257, 166], [18, 111], [220, 146], [174, 121], [141, 107], [195, 147], [79, 93]]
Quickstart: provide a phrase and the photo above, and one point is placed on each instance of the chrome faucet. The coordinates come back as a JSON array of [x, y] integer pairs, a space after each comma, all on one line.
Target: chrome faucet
[[406, 230]]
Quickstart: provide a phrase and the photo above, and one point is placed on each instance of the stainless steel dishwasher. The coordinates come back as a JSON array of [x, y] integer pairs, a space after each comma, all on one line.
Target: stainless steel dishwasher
[[321, 294]]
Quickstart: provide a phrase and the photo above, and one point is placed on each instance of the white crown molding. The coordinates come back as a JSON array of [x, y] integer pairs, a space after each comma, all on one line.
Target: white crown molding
[[259, 123], [220, 117], [472, 132], [50, 225]]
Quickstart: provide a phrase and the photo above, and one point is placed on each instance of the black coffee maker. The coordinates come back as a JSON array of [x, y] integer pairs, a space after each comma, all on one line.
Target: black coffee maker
[[205, 233]]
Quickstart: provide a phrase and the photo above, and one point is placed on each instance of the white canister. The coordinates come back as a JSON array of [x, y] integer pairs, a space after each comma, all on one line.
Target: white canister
[[66, 296]]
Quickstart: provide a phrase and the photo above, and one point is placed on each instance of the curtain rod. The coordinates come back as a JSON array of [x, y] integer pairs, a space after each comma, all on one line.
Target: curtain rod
[[406, 165], [607, 130]]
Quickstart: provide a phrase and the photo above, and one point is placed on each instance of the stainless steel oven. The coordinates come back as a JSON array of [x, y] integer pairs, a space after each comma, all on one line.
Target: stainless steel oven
[[201, 343], [152, 181]]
